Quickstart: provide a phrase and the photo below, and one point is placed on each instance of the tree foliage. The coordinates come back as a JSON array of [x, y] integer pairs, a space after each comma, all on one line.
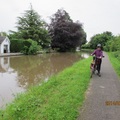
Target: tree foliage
[[31, 26], [113, 44], [3, 34], [16, 45], [102, 38], [83, 38], [66, 35], [30, 47]]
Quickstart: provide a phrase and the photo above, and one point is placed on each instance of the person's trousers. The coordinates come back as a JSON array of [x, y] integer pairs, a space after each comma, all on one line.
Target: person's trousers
[[98, 64]]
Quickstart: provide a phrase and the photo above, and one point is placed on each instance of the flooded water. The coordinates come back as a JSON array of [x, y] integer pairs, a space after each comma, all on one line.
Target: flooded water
[[18, 73]]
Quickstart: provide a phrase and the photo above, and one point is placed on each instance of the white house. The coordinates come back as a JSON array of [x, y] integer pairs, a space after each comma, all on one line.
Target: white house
[[4, 45]]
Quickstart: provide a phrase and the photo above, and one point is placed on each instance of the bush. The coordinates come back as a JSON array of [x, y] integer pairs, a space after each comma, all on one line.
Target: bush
[[16, 45], [115, 60], [117, 55], [30, 47], [113, 45], [85, 46]]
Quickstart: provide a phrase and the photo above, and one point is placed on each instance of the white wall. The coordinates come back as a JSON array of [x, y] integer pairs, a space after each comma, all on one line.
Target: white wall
[[0, 48], [5, 42]]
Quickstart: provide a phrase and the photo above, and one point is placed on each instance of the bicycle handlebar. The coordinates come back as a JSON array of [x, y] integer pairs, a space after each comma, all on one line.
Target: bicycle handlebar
[[98, 57]]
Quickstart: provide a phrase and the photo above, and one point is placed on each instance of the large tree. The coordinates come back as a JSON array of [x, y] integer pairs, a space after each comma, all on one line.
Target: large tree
[[31, 26], [66, 34], [3, 34], [102, 38]]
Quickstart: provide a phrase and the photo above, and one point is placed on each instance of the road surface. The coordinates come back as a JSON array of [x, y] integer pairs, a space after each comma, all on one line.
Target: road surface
[[103, 95]]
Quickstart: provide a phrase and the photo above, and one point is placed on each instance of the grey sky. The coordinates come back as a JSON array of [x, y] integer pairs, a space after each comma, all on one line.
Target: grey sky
[[97, 16]]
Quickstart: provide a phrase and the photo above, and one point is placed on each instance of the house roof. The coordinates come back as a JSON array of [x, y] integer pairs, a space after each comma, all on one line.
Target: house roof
[[2, 39]]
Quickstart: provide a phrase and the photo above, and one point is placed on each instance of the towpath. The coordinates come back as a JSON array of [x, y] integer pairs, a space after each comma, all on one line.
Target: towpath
[[10, 54], [103, 96]]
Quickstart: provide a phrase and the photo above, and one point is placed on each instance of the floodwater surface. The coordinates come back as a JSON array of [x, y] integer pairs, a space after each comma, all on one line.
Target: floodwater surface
[[18, 73]]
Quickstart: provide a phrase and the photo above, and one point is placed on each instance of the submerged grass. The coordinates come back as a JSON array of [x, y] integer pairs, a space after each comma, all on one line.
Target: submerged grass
[[58, 99], [115, 62]]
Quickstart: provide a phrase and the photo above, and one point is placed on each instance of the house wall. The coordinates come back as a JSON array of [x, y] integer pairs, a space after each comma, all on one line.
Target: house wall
[[0, 48], [5, 42]]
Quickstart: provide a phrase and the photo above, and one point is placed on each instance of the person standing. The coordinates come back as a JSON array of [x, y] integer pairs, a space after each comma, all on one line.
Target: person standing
[[98, 58]]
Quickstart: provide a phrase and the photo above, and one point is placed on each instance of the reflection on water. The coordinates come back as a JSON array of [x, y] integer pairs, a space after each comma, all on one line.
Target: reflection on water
[[18, 73], [85, 55]]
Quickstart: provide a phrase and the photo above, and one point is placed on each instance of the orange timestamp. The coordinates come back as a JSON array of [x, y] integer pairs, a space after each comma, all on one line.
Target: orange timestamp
[[112, 103]]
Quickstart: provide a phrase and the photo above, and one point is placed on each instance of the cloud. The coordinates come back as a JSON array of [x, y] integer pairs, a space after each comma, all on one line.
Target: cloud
[[96, 15]]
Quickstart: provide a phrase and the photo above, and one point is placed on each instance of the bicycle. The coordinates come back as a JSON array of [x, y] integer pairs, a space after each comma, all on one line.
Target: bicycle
[[95, 65]]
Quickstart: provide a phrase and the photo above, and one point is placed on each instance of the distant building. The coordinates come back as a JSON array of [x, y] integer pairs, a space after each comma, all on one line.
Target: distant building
[[4, 45]]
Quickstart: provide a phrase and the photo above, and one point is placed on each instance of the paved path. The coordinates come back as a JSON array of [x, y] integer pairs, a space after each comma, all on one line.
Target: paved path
[[10, 54], [102, 89]]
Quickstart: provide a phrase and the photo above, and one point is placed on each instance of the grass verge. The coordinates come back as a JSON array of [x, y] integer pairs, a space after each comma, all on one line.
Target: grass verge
[[115, 62], [58, 99]]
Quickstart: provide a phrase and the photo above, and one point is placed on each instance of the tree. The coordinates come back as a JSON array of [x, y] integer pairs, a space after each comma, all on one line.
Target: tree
[[31, 26], [14, 35], [66, 35], [83, 38], [3, 34], [102, 38]]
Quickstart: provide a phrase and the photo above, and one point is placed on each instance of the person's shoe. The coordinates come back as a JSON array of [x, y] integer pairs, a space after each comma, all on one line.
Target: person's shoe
[[99, 74]]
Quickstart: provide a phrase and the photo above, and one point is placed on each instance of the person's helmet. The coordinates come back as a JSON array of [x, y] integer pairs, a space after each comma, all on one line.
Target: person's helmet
[[99, 45]]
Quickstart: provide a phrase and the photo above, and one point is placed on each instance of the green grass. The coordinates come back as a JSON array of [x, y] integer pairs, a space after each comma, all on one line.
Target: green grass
[[58, 99], [115, 62]]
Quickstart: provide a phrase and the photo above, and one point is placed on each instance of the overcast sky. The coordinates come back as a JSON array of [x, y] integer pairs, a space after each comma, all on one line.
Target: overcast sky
[[97, 16]]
